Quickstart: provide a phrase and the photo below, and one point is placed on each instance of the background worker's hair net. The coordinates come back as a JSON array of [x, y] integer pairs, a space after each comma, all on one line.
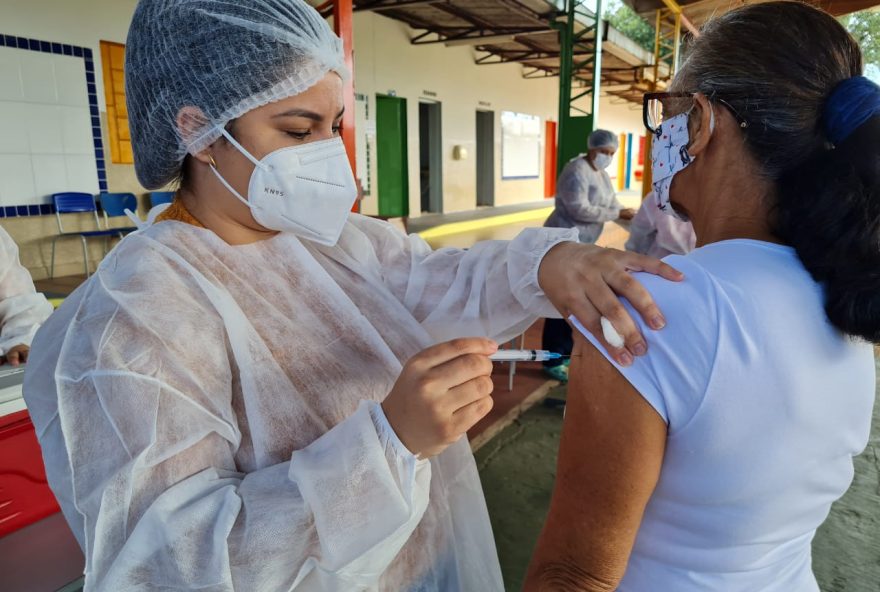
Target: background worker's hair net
[[602, 139], [221, 58]]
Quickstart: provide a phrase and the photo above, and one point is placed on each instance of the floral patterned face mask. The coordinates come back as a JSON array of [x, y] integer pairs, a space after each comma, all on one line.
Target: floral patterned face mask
[[669, 156]]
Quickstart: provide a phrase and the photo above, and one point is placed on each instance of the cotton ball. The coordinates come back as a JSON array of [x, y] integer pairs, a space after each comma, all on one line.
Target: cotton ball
[[611, 335]]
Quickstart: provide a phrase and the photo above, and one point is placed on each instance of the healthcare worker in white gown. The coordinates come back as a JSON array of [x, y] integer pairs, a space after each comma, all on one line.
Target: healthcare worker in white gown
[[259, 391], [22, 308]]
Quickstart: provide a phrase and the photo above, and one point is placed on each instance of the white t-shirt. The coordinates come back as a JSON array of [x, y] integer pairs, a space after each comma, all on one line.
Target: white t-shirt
[[766, 405]]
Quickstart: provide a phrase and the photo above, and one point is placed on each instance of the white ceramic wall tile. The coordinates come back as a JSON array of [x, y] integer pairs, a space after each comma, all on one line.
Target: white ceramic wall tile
[[82, 174], [16, 180], [38, 77], [44, 129], [46, 143], [70, 81], [10, 75], [50, 176], [76, 131], [14, 124]]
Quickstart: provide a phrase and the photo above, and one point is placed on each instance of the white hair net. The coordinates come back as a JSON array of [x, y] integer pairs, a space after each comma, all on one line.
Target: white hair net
[[222, 58], [602, 139]]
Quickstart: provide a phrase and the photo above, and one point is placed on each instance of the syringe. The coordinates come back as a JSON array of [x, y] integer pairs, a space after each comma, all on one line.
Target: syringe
[[523, 355]]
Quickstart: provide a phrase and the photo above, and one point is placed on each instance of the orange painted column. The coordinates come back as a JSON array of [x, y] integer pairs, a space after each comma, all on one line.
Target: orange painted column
[[647, 177], [343, 24], [549, 159], [621, 163]]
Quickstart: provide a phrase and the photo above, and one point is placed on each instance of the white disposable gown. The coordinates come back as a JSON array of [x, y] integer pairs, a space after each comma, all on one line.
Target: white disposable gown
[[209, 419], [22, 308], [585, 200], [657, 234]]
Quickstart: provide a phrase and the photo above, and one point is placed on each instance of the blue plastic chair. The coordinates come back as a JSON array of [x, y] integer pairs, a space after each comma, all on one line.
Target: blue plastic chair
[[114, 206], [76, 203], [160, 197]]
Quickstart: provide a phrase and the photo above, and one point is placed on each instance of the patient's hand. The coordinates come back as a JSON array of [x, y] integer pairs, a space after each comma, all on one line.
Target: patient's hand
[[587, 281]]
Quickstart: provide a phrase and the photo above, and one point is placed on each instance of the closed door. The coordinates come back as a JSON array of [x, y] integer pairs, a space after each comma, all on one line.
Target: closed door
[[391, 161], [430, 157], [485, 158]]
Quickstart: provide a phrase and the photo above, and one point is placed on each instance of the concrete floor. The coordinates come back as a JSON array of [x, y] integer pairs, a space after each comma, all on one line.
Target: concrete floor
[[518, 468], [453, 230]]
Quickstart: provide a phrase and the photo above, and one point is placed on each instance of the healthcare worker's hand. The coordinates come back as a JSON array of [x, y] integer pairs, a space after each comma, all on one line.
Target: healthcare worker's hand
[[587, 281], [440, 394], [16, 355], [627, 214]]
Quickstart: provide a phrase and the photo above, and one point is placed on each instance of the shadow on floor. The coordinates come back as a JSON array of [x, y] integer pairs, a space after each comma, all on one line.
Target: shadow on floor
[[59, 287], [517, 469]]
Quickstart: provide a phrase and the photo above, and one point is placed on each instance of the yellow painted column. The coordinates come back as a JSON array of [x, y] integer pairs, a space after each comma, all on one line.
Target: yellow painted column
[[621, 163]]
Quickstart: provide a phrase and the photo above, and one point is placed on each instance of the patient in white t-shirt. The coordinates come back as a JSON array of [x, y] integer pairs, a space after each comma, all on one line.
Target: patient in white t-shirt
[[709, 463]]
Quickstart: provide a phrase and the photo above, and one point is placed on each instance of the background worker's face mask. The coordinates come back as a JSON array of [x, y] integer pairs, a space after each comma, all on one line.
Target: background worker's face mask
[[602, 161], [670, 156], [306, 190]]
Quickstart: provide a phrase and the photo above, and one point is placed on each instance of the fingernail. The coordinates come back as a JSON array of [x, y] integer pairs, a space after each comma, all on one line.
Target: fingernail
[[625, 359], [639, 349], [658, 322]]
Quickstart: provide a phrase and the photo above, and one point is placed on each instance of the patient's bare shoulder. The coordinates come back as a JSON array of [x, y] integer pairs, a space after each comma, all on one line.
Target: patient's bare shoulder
[[610, 456]]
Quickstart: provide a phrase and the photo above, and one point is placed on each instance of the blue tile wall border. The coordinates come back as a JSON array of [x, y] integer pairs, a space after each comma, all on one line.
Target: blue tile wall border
[[86, 54]]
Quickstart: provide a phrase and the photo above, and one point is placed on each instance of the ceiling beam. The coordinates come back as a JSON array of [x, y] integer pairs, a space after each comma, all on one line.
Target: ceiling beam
[[676, 9], [490, 39], [475, 36], [530, 44], [466, 16], [515, 6], [525, 57], [382, 5]]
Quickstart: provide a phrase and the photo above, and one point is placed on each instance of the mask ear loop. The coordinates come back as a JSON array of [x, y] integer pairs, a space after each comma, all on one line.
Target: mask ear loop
[[248, 155], [241, 149], [711, 124]]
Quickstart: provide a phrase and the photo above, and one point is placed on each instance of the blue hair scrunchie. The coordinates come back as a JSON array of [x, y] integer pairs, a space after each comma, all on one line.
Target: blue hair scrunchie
[[851, 103]]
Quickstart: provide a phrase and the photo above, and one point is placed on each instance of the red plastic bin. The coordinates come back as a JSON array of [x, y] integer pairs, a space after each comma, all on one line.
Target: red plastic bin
[[25, 496]]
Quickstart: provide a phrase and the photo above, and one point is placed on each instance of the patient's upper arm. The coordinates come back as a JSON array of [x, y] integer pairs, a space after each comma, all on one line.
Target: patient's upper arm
[[609, 462]]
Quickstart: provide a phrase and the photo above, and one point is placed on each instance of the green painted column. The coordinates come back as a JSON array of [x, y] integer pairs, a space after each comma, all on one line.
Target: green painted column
[[574, 128]]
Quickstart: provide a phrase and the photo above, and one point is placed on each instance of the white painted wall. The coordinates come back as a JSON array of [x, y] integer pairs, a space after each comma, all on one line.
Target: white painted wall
[[385, 60]]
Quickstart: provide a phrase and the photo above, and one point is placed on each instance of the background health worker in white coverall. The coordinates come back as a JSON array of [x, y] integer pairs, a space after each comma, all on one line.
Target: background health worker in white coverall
[[256, 391]]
